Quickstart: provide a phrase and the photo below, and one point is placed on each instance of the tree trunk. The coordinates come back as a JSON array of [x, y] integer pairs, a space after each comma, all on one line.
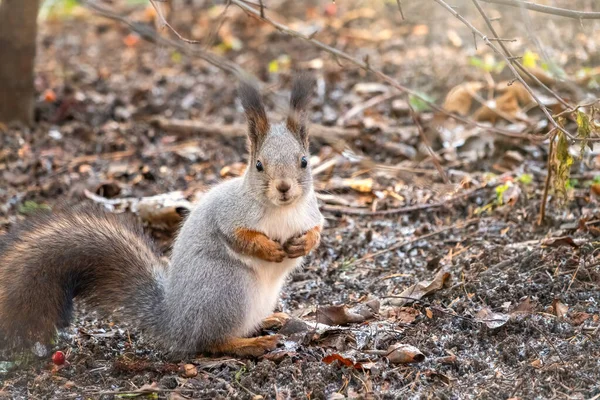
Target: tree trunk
[[18, 31]]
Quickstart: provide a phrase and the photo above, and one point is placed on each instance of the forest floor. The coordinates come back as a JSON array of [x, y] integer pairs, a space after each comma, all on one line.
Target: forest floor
[[513, 308]]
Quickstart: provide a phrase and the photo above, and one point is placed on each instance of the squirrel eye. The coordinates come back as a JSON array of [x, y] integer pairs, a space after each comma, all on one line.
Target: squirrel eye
[[303, 162], [259, 166]]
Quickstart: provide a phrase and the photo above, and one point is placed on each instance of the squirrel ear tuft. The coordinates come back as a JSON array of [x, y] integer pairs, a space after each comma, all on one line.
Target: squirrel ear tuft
[[258, 124], [302, 88]]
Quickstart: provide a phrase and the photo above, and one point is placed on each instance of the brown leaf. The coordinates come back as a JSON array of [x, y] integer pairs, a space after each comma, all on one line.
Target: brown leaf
[[559, 309], [190, 370], [342, 360], [404, 353], [233, 170], [579, 318], [525, 307], [404, 315], [560, 241], [460, 98], [491, 319], [536, 363], [517, 89], [423, 288], [337, 315]]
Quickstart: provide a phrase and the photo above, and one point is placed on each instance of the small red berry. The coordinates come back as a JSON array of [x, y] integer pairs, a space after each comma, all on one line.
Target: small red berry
[[58, 358]]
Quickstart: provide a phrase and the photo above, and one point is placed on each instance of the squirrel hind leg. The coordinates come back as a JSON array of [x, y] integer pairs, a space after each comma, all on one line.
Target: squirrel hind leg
[[247, 347]]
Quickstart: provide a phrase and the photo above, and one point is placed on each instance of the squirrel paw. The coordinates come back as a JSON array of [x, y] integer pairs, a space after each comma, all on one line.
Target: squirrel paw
[[249, 347], [302, 245], [273, 252], [275, 321]]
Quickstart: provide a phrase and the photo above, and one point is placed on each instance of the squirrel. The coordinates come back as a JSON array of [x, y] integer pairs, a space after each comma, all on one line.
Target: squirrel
[[227, 266]]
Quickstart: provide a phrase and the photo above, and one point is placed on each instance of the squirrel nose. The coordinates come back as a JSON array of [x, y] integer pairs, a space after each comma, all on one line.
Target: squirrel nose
[[283, 186]]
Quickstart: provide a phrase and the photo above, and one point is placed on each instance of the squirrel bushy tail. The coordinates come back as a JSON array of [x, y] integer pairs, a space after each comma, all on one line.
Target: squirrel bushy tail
[[85, 252]]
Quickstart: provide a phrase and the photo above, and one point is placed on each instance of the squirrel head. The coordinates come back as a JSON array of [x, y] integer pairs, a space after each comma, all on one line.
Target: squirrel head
[[278, 170]]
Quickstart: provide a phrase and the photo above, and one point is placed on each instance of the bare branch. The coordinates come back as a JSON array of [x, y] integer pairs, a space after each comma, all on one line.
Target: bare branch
[[400, 8], [511, 67], [563, 12], [165, 23], [516, 60], [152, 36], [338, 54]]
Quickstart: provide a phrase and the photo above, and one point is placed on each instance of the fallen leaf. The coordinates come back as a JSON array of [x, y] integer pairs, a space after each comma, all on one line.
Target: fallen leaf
[[131, 40], [429, 313], [579, 318], [233, 170], [404, 353], [559, 309], [525, 307], [460, 98], [190, 370], [404, 315], [423, 288], [560, 241], [337, 315], [536, 363], [342, 360], [491, 319]]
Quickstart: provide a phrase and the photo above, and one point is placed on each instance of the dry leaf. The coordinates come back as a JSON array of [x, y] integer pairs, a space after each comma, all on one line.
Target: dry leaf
[[536, 363], [559, 309], [560, 241], [190, 370], [233, 170], [342, 360], [525, 307], [517, 89], [337, 315], [404, 354], [460, 98], [404, 315], [360, 185], [491, 319], [417, 291], [579, 318]]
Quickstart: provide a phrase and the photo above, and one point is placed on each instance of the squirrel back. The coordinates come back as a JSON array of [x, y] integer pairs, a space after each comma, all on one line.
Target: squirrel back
[[229, 261]]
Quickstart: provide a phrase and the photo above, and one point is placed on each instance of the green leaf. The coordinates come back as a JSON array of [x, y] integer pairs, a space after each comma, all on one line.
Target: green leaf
[[530, 59], [584, 130], [500, 191], [525, 179], [176, 57], [419, 105], [30, 207], [562, 166]]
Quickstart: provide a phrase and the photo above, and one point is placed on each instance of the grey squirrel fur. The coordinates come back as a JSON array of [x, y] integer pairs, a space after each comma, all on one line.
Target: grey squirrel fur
[[209, 291]]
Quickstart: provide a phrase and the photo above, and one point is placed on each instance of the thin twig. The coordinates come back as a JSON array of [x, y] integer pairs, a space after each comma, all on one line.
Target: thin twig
[[542, 215], [562, 12], [364, 64], [400, 8], [512, 68], [434, 157], [152, 36], [165, 23], [516, 61]]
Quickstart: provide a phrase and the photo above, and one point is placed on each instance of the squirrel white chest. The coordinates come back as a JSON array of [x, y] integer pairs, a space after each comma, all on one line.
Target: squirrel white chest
[[279, 225]]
